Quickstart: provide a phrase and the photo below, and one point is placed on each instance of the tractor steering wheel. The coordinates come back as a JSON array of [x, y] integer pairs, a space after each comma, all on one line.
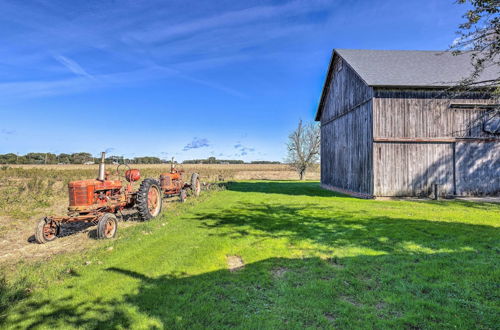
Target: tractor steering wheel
[[118, 170]]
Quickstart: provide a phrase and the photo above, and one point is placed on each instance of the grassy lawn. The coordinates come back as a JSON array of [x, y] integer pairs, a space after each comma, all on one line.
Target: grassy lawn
[[311, 258]]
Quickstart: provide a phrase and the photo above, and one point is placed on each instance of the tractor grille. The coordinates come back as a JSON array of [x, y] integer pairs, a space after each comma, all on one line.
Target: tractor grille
[[80, 196], [165, 182]]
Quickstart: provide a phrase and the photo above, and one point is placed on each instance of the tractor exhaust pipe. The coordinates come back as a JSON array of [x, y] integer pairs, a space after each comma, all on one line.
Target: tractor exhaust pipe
[[102, 167]]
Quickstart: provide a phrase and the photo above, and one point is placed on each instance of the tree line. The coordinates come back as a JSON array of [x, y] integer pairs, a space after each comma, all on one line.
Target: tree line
[[87, 158], [75, 158], [213, 160]]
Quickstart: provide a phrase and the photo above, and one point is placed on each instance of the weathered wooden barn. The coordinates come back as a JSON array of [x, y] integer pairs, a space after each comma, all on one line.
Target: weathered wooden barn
[[391, 126]]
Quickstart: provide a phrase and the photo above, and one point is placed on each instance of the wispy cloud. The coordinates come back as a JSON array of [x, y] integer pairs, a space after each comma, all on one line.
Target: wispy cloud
[[41, 88], [196, 144], [157, 32], [132, 42], [72, 66]]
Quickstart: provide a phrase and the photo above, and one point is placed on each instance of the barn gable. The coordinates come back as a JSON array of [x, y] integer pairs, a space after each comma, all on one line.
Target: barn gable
[[346, 125]]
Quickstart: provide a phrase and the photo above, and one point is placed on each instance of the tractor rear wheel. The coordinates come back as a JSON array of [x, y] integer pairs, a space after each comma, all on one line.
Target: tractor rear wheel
[[46, 230], [149, 199], [107, 226], [195, 184]]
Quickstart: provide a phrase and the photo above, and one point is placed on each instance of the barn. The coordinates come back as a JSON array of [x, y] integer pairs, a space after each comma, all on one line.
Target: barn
[[392, 125]]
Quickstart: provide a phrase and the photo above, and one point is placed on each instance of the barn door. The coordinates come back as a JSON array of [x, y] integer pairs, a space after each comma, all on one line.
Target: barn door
[[477, 168], [411, 169]]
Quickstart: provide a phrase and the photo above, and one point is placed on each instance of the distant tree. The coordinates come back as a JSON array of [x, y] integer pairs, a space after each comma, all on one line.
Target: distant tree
[[22, 160], [265, 162], [35, 158], [147, 160], [115, 159], [303, 147], [81, 157], [64, 158], [50, 158], [213, 160], [479, 36], [8, 158]]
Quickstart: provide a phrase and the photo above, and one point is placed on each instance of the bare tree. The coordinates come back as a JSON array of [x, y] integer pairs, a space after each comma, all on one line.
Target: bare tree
[[479, 36], [303, 147]]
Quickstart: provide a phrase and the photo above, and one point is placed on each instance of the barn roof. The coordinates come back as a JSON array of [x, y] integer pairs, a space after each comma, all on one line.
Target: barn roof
[[407, 68], [411, 68]]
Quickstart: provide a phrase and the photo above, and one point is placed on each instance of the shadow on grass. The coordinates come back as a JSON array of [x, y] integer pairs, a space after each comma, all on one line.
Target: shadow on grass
[[10, 295], [485, 206], [402, 291], [334, 227], [67, 312], [299, 188]]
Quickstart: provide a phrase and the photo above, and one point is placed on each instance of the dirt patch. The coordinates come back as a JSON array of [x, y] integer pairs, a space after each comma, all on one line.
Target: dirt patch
[[334, 262], [330, 316], [234, 263], [279, 272], [351, 301]]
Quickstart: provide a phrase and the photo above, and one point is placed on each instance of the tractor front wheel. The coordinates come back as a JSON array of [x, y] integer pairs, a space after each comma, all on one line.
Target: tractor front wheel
[[182, 195], [195, 184], [107, 226], [46, 230], [149, 199]]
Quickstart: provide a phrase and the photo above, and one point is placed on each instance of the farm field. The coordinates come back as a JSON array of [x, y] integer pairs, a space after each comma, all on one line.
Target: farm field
[[29, 192], [263, 254]]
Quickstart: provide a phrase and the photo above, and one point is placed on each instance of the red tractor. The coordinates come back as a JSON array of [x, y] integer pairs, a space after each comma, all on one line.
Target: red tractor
[[98, 200], [172, 183]]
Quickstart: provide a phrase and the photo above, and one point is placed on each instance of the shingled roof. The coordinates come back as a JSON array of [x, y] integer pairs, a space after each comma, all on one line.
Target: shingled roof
[[411, 68], [407, 68]]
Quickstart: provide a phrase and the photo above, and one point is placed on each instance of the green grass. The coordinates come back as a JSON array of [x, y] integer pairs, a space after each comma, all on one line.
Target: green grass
[[312, 259]]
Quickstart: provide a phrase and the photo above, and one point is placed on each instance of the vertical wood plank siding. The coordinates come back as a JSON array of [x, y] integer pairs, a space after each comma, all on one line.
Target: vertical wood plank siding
[[420, 114], [346, 132], [345, 91], [478, 168], [346, 152], [409, 169]]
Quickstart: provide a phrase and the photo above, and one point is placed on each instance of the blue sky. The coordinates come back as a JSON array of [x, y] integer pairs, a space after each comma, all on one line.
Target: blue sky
[[189, 79]]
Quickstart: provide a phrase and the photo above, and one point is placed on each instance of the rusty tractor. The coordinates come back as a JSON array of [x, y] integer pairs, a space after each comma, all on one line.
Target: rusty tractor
[[97, 201], [172, 183]]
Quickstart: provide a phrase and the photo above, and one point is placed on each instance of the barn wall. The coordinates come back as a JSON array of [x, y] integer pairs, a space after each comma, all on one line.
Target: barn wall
[[346, 132], [478, 168], [410, 169], [424, 113], [346, 152], [420, 140]]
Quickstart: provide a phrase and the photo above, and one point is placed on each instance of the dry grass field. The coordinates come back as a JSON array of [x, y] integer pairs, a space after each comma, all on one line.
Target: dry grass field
[[28, 192]]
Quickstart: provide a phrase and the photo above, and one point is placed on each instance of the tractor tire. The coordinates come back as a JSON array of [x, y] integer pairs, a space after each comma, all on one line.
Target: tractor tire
[[195, 184], [149, 199], [182, 195], [107, 226], [46, 230]]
